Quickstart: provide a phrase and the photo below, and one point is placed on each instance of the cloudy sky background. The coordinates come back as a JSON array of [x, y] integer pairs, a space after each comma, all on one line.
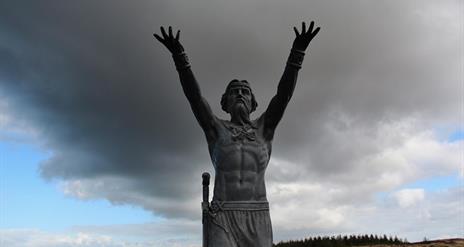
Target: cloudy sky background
[[99, 146]]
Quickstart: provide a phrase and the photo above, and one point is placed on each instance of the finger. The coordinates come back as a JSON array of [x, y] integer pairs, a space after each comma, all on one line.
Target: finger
[[303, 27], [170, 32], [177, 35], [311, 26], [315, 31], [163, 32], [296, 31], [158, 38]]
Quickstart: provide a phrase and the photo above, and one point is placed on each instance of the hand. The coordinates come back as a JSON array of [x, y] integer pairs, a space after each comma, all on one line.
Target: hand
[[302, 40], [171, 42]]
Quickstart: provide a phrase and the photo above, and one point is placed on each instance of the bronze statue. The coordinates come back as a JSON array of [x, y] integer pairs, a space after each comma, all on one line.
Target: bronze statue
[[240, 148]]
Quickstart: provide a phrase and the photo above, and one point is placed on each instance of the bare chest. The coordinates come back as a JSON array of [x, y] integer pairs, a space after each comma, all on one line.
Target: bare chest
[[240, 148]]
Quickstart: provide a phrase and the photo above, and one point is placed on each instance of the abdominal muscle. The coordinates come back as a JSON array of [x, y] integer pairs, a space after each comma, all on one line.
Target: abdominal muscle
[[240, 169]]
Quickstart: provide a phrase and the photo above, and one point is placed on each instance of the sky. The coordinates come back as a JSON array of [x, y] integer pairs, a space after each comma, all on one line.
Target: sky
[[99, 147]]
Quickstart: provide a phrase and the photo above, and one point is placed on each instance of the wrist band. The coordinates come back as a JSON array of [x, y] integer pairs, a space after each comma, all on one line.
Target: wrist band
[[181, 60], [296, 58]]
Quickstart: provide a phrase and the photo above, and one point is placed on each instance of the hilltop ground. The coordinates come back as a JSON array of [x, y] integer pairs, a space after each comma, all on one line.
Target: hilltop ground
[[455, 242]]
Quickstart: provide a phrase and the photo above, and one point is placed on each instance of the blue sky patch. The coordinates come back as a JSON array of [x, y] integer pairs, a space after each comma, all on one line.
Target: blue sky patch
[[28, 201], [435, 183]]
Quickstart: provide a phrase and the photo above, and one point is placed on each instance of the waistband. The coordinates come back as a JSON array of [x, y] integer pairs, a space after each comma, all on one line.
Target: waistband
[[239, 205]]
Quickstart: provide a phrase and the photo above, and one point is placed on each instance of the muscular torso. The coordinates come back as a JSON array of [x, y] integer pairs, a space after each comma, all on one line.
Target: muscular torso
[[240, 156]]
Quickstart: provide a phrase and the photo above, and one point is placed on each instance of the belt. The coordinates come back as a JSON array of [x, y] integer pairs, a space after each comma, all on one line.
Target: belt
[[239, 205]]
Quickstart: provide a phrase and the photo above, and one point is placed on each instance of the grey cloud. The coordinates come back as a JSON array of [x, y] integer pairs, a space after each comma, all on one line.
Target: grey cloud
[[106, 100]]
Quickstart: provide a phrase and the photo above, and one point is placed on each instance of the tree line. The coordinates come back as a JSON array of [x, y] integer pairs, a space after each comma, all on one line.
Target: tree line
[[342, 241]]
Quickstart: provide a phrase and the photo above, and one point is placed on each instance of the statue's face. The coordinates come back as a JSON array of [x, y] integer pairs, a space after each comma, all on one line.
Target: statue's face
[[239, 95]]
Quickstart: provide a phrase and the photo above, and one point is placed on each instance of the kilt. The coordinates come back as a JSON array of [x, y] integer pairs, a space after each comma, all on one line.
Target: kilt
[[239, 224]]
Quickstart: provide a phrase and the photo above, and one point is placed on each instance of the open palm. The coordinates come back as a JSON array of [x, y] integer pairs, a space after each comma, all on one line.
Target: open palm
[[170, 41], [303, 39]]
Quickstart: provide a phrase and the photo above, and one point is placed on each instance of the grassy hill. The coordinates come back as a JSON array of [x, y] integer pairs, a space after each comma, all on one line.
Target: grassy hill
[[368, 240], [455, 242]]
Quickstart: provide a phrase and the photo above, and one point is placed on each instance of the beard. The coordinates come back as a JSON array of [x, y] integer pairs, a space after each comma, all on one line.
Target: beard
[[241, 110]]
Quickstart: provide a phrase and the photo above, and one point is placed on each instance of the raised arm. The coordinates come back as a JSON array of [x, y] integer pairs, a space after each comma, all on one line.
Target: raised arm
[[199, 106], [276, 108]]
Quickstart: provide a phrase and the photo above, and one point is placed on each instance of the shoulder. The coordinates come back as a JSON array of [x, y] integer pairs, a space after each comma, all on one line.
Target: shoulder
[[258, 122], [213, 128], [263, 128]]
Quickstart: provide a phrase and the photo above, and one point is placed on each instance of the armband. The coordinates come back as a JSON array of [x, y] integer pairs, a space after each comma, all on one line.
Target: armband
[[296, 58], [181, 60]]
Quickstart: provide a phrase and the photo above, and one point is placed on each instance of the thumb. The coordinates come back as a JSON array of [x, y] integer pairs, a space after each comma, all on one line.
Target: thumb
[[158, 38]]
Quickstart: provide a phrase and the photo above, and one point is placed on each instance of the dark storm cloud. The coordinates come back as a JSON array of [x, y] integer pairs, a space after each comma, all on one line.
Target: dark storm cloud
[[92, 87], [105, 96]]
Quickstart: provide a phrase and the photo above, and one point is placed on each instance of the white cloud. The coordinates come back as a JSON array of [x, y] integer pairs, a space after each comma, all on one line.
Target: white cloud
[[409, 197], [39, 238], [308, 198]]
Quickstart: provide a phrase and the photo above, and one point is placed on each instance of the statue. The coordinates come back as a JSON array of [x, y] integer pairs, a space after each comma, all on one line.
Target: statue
[[240, 148]]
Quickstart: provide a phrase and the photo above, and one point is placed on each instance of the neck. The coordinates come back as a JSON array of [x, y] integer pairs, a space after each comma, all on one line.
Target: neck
[[240, 119]]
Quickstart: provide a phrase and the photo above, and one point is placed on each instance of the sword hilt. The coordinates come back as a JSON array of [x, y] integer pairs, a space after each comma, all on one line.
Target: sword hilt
[[205, 203], [205, 207]]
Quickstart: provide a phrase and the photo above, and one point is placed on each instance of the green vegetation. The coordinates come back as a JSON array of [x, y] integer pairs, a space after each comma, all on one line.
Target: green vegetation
[[342, 241]]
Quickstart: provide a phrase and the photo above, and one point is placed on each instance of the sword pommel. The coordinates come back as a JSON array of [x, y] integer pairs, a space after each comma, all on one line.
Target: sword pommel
[[205, 177]]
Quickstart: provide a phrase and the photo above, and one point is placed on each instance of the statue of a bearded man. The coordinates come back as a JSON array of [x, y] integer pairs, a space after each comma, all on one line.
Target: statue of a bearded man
[[240, 148]]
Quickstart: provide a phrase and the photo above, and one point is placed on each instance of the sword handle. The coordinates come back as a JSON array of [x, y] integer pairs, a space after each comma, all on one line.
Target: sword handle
[[205, 207], [205, 183]]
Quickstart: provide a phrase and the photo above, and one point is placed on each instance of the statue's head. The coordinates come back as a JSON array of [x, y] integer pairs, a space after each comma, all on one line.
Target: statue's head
[[238, 92]]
